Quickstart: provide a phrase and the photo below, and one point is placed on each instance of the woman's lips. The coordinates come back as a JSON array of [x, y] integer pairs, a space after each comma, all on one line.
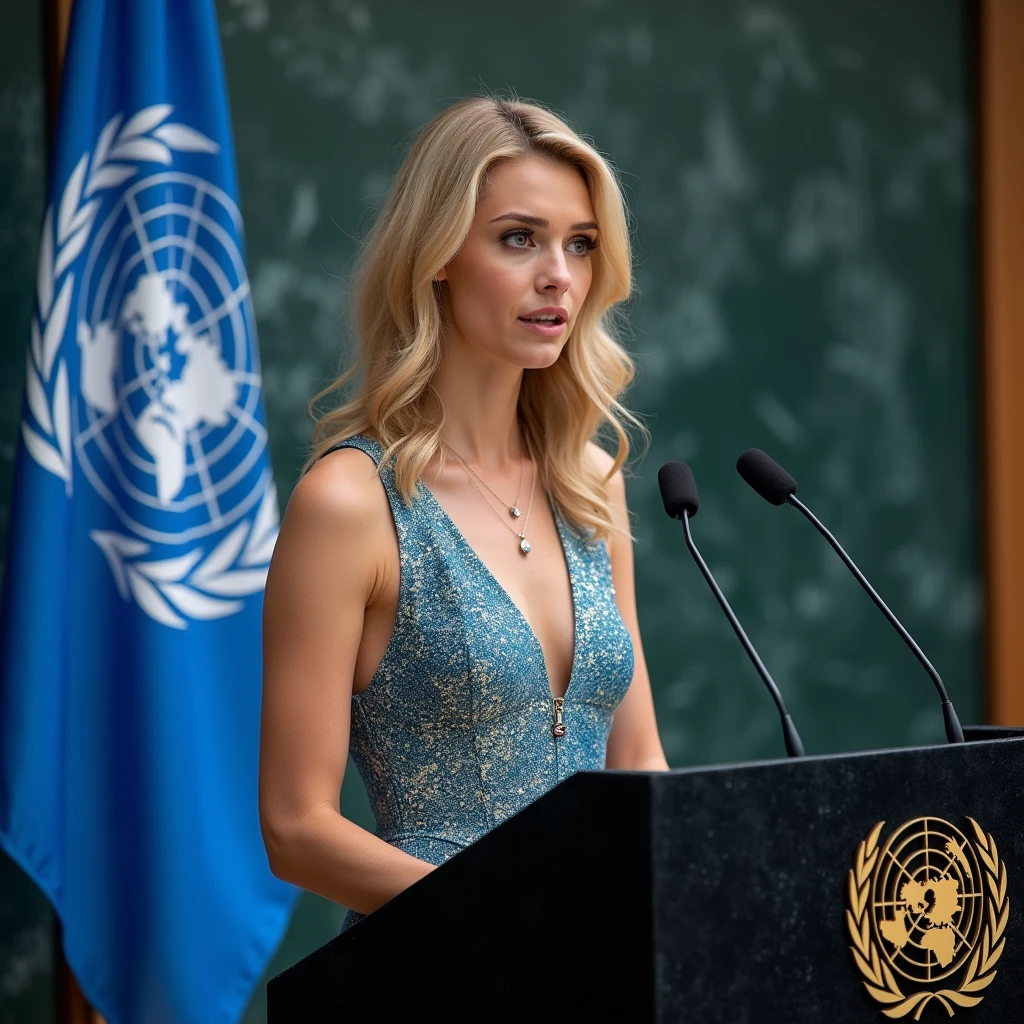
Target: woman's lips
[[549, 328]]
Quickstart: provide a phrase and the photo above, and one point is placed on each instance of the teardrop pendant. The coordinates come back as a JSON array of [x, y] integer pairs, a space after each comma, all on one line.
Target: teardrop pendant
[[524, 545], [515, 511]]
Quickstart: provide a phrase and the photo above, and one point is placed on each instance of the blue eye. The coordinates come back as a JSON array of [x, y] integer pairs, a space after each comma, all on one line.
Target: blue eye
[[517, 233], [589, 244]]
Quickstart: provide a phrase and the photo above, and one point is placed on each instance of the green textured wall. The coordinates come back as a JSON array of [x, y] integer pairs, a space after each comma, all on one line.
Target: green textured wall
[[28, 957], [800, 176]]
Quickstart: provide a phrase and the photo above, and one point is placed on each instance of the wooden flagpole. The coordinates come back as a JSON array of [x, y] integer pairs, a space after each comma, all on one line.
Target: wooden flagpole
[[1000, 79]]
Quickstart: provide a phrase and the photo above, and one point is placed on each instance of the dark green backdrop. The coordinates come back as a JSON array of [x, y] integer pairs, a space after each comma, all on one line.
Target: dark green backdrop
[[801, 181]]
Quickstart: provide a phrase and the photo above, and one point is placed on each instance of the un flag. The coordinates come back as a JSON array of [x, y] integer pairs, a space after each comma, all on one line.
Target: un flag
[[143, 520]]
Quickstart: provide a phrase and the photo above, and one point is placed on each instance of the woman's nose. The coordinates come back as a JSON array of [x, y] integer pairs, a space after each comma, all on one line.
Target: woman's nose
[[555, 274]]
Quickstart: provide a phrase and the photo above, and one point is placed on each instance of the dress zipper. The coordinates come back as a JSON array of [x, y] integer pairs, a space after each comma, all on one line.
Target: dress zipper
[[558, 729]]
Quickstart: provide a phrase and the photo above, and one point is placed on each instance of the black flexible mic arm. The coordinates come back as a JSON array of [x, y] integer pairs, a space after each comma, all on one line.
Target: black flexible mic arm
[[954, 733], [794, 745]]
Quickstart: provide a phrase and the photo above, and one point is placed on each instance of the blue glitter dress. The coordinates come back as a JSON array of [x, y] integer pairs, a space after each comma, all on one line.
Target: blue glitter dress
[[455, 731]]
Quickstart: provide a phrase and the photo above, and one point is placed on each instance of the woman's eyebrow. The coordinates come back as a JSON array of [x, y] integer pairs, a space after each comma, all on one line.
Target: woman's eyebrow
[[525, 218]]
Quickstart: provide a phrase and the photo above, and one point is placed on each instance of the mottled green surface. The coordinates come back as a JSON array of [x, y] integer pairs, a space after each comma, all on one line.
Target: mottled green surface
[[800, 178], [28, 956]]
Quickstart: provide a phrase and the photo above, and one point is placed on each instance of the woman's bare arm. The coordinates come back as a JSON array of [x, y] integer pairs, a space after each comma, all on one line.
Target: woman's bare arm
[[634, 741], [327, 567]]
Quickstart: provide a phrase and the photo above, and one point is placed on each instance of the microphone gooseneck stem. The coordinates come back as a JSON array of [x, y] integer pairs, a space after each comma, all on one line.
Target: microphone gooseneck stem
[[794, 745], [954, 733]]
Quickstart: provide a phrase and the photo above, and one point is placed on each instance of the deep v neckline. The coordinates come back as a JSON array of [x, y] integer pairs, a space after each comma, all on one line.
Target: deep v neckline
[[573, 587]]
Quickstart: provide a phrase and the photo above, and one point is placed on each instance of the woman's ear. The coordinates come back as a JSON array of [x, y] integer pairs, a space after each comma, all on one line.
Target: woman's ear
[[441, 275]]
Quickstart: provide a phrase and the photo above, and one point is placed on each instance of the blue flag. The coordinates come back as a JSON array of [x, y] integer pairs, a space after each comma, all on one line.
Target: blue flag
[[143, 520]]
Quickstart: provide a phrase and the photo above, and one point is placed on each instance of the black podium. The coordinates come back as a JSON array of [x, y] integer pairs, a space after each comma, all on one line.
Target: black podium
[[817, 890]]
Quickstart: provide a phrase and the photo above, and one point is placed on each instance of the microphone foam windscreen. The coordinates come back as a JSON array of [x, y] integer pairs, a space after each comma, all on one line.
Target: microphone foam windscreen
[[766, 476], [678, 489]]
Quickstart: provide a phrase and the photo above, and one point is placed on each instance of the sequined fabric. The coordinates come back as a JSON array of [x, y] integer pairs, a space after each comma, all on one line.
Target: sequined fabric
[[453, 733]]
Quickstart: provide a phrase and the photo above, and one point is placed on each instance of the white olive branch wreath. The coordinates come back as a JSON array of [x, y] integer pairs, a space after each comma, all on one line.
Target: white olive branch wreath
[[146, 136], [196, 587]]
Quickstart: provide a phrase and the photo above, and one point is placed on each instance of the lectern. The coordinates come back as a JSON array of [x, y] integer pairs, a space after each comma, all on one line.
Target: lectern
[[818, 890]]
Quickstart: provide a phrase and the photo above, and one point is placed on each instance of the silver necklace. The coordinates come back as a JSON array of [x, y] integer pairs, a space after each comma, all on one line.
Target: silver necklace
[[524, 544], [514, 509]]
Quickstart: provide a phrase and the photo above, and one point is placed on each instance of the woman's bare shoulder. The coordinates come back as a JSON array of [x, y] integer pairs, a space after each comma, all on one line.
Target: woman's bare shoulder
[[341, 485], [338, 513], [603, 461], [600, 458]]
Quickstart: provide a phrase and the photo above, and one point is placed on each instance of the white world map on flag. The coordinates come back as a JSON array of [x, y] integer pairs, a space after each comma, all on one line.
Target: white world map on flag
[[200, 391]]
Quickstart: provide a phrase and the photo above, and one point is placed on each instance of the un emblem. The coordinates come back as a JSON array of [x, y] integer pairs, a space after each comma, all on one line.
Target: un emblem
[[143, 372], [926, 915]]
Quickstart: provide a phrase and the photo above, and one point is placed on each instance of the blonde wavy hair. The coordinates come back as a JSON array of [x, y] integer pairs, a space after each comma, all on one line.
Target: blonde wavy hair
[[398, 313]]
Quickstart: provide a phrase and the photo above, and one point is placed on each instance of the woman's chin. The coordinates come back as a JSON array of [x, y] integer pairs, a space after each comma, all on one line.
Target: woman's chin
[[533, 354], [540, 358]]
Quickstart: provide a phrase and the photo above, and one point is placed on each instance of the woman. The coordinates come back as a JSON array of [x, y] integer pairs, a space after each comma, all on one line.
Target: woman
[[451, 595]]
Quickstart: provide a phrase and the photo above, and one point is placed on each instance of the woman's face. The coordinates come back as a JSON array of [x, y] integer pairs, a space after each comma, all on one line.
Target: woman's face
[[527, 256]]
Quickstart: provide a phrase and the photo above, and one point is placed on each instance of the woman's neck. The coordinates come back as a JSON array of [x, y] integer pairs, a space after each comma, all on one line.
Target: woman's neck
[[481, 403]]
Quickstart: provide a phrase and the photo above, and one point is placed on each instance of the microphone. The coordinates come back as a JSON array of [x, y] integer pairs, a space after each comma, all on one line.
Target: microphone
[[777, 487], [679, 496]]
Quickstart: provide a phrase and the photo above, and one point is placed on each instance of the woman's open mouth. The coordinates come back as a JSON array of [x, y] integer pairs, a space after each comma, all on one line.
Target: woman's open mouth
[[549, 324]]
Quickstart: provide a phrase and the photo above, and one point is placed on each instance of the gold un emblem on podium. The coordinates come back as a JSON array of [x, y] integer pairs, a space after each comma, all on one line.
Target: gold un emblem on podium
[[926, 915]]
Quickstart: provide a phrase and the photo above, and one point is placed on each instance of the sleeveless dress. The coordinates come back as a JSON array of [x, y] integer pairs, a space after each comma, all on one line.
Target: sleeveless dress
[[454, 732]]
